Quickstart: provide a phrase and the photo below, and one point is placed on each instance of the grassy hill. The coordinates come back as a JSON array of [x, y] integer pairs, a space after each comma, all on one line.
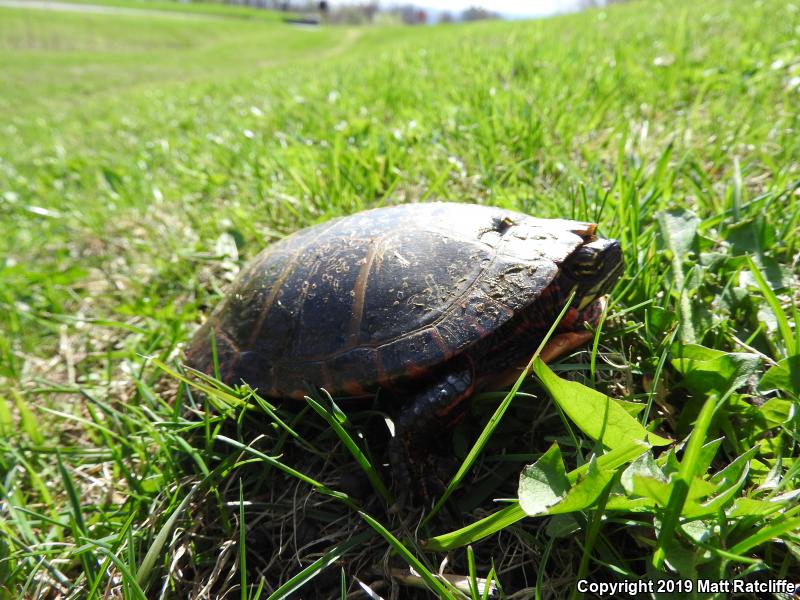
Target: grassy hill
[[145, 158]]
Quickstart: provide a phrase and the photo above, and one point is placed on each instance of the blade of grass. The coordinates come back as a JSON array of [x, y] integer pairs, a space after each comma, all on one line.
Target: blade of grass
[[473, 573], [789, 342], [592, 534], [127, 576], [155, 551], [320, 487], [353, 448], [78, 524], [434, 584], [230, 399], [319, 565], [765, 534], [242, 545]]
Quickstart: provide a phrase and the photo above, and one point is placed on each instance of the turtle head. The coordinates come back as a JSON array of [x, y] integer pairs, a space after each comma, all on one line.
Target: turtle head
[[592, 269]]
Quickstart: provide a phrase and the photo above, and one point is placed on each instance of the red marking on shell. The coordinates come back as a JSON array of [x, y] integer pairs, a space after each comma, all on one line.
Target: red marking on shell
[[437, 339], [473, 323], [352, 387], [327, 380], [416, 372]]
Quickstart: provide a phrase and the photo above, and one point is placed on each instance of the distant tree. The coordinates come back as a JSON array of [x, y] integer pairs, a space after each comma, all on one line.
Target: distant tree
[[411, 15], [370, 10], [353, 14], [584, 4], [478, 13], [446, 17]]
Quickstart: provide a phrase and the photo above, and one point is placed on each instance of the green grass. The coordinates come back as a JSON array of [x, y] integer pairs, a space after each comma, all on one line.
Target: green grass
[[215, 9], [57, 60], [143, 160]]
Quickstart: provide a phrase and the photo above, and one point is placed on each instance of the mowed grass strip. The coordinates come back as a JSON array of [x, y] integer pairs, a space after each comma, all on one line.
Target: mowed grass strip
[[143, 160]]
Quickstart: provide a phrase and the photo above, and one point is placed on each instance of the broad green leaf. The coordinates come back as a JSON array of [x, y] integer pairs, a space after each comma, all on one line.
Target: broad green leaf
[[650, 487], [715, 504], [681, 559], [643, 467], [597, 415], [776, 411], [706, 370], [699, 531], [700, 488], [632, 408], [544, 483], [586, 492], [678, 230], [775, 274], [505, 517], [751, 507], [618, 502], [783, 376], [613, 459], [734, 470]]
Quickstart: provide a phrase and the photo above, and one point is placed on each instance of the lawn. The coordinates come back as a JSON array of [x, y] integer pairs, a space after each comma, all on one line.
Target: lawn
[[145, 159]]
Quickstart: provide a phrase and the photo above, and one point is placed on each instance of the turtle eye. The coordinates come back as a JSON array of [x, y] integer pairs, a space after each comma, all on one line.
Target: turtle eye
[[502, 224]]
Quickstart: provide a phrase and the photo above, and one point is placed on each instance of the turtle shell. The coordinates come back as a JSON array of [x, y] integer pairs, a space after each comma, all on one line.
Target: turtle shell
[[362, 301]]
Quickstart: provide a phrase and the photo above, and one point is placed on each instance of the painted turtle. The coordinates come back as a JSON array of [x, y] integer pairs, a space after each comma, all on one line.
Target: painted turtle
[[426, 302]]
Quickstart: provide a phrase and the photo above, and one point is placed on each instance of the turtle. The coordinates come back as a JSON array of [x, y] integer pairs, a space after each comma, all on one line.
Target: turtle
[[426, 303]]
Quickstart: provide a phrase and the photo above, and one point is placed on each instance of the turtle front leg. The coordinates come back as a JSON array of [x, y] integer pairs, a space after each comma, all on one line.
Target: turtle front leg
[[421, 427], [560, 344]]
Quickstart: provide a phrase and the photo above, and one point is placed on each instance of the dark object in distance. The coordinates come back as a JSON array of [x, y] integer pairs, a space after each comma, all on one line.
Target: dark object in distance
[[427, 302]]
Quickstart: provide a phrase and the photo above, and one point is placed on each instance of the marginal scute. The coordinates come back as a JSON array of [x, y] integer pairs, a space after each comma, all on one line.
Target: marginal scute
[[400, 356], [357, 363]]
